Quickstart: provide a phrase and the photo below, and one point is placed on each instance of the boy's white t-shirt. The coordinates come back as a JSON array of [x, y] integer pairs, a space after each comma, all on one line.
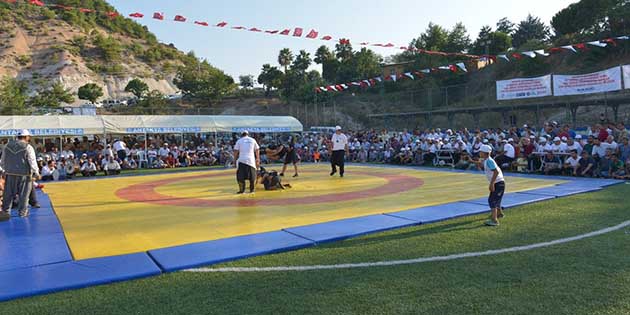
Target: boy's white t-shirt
[[489, 166]]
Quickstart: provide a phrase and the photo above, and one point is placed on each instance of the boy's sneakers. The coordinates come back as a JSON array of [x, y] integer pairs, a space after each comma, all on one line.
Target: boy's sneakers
[[491, 223]]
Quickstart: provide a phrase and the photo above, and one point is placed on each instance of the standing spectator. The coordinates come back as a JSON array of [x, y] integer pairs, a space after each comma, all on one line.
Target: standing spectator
[[19, 164], [247, 155], [121, 149], [338, 151]]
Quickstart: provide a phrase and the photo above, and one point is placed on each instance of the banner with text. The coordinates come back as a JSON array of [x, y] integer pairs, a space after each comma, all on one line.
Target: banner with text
[[597, 82], [524, 88], [626, 76]]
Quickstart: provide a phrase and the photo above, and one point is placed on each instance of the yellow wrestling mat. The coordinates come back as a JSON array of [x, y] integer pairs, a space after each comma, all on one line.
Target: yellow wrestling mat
[[122, 215]]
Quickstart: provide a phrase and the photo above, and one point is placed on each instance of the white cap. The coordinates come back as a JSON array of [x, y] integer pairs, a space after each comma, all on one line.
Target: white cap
[[510, 140], [338, 128], [485, 149], [564, 139], [578, 137], [525, 126], [542, 139], [485, 141], [24, 133], [245, 132], [556, 139], [532, 137]]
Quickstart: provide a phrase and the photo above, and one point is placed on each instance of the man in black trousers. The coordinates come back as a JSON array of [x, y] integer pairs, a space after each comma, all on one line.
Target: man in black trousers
[[339, 149]]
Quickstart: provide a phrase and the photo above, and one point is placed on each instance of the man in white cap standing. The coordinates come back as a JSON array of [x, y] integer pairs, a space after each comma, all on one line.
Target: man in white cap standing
[[497, 184], [247, 156], [20, 166], [339, 150]]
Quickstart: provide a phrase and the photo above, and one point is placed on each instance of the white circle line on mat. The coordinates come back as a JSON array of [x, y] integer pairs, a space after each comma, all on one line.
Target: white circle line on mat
[[415, 260]]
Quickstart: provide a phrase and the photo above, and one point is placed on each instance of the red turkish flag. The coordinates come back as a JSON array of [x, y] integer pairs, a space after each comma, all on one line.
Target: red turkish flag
[[555, 50], [36, 2], [327, 37], [364, 44], [158, 16], [285, 32], [83, 10], [453, 68], [222, 24], [517, 56], [179, 18], [312, 34], [389, 45], [112, 14], [610, 41], [580, 46], [344, 41], [272, 32], [253, 29], [238, 27], [298, 32], [136, 15], [202, 23]]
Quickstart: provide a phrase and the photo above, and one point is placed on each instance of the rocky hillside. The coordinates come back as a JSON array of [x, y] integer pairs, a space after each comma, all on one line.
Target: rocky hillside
[[43, 46]]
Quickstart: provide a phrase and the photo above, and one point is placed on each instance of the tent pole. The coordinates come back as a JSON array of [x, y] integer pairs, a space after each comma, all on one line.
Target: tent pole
[[146, 153]]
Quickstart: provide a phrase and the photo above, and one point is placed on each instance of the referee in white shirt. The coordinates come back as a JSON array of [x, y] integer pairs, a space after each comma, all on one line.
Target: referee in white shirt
[[247, 156], [339, 150]]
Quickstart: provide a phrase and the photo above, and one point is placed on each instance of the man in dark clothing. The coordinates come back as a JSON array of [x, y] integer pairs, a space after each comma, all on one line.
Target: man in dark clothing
[[20, 166]]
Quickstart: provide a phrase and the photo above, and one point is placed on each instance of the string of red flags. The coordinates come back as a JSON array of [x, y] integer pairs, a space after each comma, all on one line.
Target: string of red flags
[[459, 67], [313, 34]]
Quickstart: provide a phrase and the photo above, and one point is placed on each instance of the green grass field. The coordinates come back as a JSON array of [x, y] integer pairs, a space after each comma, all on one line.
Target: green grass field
[[590, 276]]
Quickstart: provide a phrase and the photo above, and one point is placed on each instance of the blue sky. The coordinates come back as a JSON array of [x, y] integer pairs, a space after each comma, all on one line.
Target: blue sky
[[396, 21]]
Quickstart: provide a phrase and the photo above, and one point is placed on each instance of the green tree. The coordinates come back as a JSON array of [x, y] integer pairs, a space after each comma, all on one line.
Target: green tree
[[153, 103], [457, 40], [285, 58], [51, 97], [90, 92], [505, 26], [323, 54], [328, 61], [108, 47], [530, 28], [592, 18], [200, 80], [343, 50], [302, 62], [270, 77], [137, 87], [491, 43], [435, 38], [13, 97], [246, 81], [366, 63]]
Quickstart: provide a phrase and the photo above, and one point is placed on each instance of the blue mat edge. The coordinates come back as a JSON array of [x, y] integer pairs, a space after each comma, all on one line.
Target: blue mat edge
[[312, 243]]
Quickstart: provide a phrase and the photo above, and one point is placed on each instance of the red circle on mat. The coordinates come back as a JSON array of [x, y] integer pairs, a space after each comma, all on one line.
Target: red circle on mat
[[146, 193]]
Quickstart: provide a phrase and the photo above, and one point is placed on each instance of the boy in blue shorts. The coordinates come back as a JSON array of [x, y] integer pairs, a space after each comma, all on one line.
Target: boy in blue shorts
[[497, 184]]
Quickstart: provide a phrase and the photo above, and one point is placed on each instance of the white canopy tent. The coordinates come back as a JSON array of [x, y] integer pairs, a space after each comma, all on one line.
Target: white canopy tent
[[104, 125]]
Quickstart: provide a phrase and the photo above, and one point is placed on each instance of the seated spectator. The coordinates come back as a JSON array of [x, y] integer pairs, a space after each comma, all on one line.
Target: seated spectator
[[551, 164], [522, 164], [170, 160], [587, 165], [88, 169], [465, 162], [604, 165], [572, 164], [617, 167], [159, 163], [112, 167], [48, 171]]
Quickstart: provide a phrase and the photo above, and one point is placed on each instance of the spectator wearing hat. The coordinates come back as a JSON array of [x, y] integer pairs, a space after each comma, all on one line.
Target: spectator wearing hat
[[338, 152], [20, 167], [247, 155], [164, 151], [497, 184], [88, 168]]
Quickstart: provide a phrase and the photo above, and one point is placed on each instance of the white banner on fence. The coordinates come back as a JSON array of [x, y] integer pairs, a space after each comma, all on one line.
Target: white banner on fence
[[597, 82], [524, 88], [626, 76]]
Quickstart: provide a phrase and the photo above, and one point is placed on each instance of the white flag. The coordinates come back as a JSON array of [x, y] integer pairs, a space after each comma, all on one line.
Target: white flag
[[356, 83], [623, 38], [529, 54], [367, 82], [598, 44], [334, 88], [462, 66], [379, 79], [425, 70], [570, 48], [393, 76], [345, 87], [504, 57], [542, 52], [323, 88], [410, 75], [444, 68]]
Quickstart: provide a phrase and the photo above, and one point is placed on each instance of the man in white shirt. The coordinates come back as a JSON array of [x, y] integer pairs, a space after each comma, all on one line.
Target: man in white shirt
[[121, 149], [164, 151], [247, 156], [112, 167], [339, 150], [572, 163]]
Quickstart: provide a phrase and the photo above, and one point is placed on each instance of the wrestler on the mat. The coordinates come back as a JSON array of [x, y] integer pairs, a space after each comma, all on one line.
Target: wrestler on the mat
[[286, 152], [270, 180]]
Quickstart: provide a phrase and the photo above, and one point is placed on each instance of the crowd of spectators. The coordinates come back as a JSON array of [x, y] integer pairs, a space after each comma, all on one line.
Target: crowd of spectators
[[597, 151]]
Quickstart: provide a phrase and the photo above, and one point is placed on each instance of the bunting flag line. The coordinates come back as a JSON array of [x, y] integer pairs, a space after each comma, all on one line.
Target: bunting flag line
[[314, 34]]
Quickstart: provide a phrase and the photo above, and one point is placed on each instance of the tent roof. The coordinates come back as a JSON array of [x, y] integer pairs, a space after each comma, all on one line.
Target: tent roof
[[140, 124]]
